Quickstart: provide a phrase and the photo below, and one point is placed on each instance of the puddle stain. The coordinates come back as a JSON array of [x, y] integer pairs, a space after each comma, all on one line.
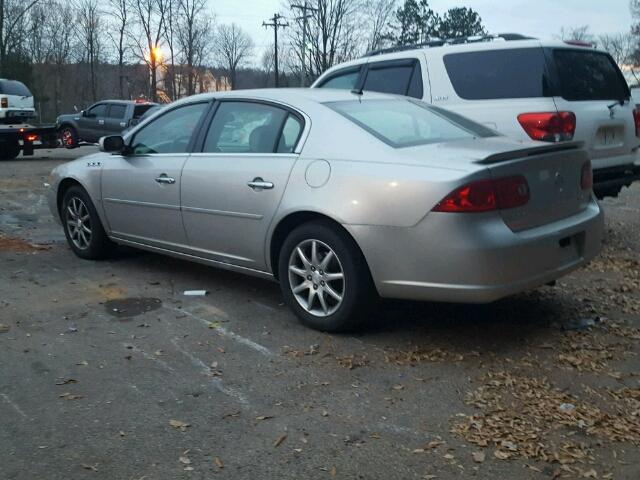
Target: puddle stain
[[127, 308]]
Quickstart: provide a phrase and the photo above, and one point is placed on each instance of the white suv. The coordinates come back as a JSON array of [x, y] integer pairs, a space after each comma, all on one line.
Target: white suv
[[16, 102], [550, 91]]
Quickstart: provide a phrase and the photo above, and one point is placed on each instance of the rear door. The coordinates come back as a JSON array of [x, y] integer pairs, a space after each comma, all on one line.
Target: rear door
[[592, 87], [494, 86], [115, 120], [232, 189]]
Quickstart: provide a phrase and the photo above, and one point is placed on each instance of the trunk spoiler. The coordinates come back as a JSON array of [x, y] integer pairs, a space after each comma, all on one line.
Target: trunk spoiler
[[529, 152]]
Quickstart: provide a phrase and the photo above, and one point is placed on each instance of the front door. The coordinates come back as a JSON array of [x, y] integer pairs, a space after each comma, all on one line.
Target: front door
[[141, 190], [232, 189], [90, 121]]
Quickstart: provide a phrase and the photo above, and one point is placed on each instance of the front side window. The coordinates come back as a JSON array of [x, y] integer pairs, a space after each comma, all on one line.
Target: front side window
[[343, 81], [117, 111], [497, 74], [405, 123], [399, 80], [169, 133], [246, 127], [99, 110]]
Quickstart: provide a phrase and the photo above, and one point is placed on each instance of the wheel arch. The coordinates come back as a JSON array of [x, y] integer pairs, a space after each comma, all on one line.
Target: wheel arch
[[294, 220], [64, 185]]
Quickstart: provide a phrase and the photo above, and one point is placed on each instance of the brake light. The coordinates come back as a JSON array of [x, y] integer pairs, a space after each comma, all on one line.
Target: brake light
[[549, 126], [586, 176], [4, 102], [32, 137], [486, 195], [636, 120]]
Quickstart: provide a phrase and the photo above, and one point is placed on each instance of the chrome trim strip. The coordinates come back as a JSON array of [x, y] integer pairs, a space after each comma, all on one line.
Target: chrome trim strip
[[223, 213], [193, 258], [142, 204]]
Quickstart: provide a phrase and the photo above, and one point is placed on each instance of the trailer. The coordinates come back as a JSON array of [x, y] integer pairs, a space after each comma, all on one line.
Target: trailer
[[26, 138]]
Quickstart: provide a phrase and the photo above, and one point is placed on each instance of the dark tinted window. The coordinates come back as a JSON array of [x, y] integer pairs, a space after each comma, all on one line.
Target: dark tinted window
[[389, 80], [13, 87], [140, 111], [117, 111], [245, 127], [415, 87], [99, 110], [344, 81], [405, 123], [509, 73], [586, 75], [169, 133]]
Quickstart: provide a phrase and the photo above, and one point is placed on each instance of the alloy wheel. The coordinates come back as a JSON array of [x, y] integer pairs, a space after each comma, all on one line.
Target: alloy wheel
[[316, 277], [66, 136], [78, 222]]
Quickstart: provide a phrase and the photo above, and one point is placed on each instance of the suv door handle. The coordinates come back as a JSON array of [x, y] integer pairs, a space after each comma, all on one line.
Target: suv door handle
[[164, 179], [259, 184]]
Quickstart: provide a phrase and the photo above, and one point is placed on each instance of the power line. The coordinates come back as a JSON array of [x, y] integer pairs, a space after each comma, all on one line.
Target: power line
[[305, 17], [275, 23]]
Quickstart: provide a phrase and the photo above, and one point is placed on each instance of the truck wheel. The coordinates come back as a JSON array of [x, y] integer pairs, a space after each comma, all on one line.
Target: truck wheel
[[68, 136], [11, 150]]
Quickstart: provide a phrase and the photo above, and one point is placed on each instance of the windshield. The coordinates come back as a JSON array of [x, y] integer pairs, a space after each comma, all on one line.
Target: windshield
[[405, 123]]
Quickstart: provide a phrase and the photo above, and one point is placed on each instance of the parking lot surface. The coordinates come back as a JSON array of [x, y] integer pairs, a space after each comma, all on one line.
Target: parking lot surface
[[108, 371]]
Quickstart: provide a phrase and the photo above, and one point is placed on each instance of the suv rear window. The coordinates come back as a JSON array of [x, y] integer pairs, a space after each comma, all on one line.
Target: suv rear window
[[494, 74], [406, 123], [13, 87], [588, 75]]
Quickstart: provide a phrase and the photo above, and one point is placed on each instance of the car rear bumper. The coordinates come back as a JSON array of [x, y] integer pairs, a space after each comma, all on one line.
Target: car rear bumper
[[475, 258]]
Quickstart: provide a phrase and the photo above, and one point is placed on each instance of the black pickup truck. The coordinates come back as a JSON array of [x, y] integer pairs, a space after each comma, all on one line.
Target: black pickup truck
[[108, 117]]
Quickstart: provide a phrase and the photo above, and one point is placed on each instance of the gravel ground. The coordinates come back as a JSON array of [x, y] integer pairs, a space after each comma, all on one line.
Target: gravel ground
[[108, 372]]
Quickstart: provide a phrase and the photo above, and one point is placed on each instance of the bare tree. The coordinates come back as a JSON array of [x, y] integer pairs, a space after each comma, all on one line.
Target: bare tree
[[59, 32], [90, 36], [120, 12], [151, 16], [377, 15], [620, 46], [234, 47], [195, 31], [580, 33], [12, 26]]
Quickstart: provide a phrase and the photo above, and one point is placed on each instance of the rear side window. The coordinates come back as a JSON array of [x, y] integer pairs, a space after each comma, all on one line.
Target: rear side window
[[399, 80], [13, 87], [495, 74], [343, 81], [588, 75], [405, 122], [117, 111]]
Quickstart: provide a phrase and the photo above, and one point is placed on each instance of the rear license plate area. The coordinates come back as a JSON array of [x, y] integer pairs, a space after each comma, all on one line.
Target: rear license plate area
[[572, 247], [610, 137]]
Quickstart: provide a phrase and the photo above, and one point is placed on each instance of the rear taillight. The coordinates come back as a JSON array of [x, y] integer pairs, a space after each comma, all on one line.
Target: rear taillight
[[549, 126], [486, 195], [4, 102], [636, 120], [586, 176]]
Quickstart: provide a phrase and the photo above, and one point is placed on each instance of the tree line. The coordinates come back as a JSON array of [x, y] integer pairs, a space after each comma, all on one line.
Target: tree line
[[75, 52]]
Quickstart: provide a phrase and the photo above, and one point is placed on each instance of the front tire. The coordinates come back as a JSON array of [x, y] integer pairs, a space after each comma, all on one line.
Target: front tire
[[82, 226], [324, 278]]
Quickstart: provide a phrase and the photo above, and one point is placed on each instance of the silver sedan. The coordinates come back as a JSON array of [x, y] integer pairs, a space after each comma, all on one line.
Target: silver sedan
[[341, 197]]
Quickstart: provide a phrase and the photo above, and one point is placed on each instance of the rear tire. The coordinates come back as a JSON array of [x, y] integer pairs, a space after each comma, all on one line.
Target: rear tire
[[82, 226], [330, 290], [68, 136], [10, 150]]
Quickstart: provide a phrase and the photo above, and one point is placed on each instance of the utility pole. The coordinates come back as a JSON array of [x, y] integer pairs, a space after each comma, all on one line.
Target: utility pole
[[276, 23], [305, 17]]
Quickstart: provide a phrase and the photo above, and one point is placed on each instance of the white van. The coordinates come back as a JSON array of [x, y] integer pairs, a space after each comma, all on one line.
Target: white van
[[550, 91], [16, 102]]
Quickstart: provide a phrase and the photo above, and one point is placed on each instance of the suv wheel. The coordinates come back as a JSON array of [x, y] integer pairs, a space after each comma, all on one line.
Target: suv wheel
[[324, 278]]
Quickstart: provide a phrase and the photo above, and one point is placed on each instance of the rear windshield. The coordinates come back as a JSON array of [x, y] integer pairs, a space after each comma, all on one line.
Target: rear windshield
[[405, 123], [13, 87], [493, 74], [588, 75], [140, 110]]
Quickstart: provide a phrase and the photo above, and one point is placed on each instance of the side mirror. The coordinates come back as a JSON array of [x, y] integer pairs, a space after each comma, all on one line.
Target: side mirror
[[111, 144]]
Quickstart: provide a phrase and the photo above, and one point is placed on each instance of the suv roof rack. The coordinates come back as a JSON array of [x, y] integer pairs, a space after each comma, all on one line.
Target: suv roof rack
[[508, 37]]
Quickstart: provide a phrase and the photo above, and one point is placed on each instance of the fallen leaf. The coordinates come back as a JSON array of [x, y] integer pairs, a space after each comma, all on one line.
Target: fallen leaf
[[263, 417], [218, 463], [398, 387], [333, 472], [280, 440], [449, 456], [83, 363], [499, 454], [479, 457], [178, 424], [90, 467], [67, 381], [185, 460], [70, 396], [4, 328], [590, 474]]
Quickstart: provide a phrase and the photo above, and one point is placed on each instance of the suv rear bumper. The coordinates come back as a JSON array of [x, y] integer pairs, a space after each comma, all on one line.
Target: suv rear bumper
[[608, 181]]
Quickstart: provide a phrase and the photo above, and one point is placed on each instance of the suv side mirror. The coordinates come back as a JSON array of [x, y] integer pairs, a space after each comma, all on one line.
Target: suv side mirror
[[111, 144]]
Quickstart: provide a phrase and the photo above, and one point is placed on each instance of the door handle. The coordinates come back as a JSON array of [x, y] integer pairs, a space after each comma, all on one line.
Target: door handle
[[166, 180], [259, 184], [101, 122]]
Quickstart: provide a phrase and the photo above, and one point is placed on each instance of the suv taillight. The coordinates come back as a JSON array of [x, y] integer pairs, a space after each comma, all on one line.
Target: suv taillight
[[549, 126], [636, 119], [486, 195], [586, 176], [4, 102]]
